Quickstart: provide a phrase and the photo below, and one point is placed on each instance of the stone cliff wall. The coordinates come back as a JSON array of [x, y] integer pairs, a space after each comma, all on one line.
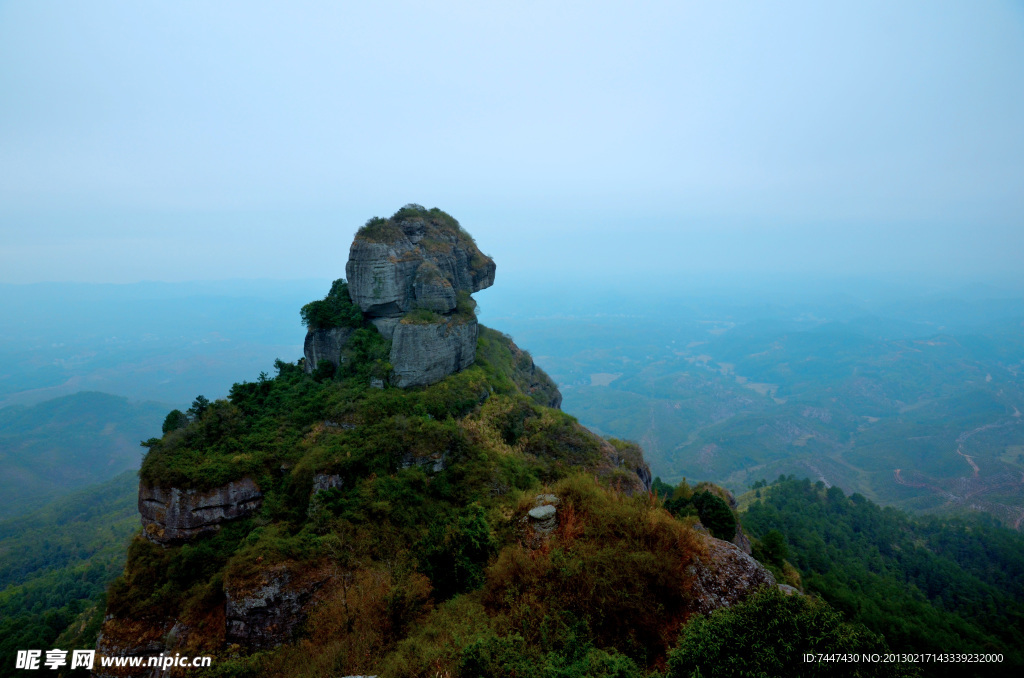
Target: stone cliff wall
[[269, 614], [425, 354], [416, 262], [325, 344], [172, 515]]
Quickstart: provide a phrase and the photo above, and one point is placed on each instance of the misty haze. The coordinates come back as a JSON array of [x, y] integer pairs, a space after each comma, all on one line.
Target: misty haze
[[750, 342]]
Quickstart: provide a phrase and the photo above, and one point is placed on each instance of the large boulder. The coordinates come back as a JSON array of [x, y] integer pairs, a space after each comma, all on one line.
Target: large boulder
[[723, 575], [171, 515], [418, 258], [423, 354]]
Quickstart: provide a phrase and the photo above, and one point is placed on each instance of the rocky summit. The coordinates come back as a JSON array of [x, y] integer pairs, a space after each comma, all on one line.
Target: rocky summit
[[411, 276], [417, 259], [409, 500]]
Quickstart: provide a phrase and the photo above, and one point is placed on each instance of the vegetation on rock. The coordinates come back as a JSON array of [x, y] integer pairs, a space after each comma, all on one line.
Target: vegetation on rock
[[713, 511], [436, 221], [430, 516], [334, 310]]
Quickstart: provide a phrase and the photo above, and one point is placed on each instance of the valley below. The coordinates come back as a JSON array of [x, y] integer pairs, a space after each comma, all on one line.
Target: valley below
[[915, 405]]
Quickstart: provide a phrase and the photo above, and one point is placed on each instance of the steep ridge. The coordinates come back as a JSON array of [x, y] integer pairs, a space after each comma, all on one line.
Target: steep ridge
[[342, 518]]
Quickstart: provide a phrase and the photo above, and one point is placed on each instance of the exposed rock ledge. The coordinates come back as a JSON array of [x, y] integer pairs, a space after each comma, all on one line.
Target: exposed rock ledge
[[532, 380], [173, 515]]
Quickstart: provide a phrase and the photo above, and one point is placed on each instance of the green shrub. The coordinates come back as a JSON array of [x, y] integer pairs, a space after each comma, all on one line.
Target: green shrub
[[421, 316], [454, 552], [366, 354], [715, 515], [175, 419], [768, 635], [334, 310], [465, 306], [380, 230], [772, 549]]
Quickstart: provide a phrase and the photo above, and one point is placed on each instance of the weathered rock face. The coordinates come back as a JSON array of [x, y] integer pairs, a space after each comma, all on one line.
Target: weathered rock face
[[326, 481], [425, 354], [419, 259], [725, 575], [268, 615], [325, 345], [174, 515], [741, 541]]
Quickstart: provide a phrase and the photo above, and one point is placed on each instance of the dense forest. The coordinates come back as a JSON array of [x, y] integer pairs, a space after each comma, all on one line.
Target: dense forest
[[927, 584], [56, 564]]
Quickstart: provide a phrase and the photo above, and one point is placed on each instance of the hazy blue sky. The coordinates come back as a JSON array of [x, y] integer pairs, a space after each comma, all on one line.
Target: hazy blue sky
[[174, 141]]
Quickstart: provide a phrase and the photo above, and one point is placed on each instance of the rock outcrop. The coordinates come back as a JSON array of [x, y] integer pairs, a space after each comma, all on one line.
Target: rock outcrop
[[423, 354], [322, 482], [417, 259], [325, 345], [624, 465], [411, 277], [268, 614], [131, 638], [534, 381], [724, 575], [171, 515]]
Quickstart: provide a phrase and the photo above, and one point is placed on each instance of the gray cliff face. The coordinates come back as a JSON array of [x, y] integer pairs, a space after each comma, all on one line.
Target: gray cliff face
[[270, 614], [380, 276], [324, 345], [172, 515], [425, 354], [418, 265]]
